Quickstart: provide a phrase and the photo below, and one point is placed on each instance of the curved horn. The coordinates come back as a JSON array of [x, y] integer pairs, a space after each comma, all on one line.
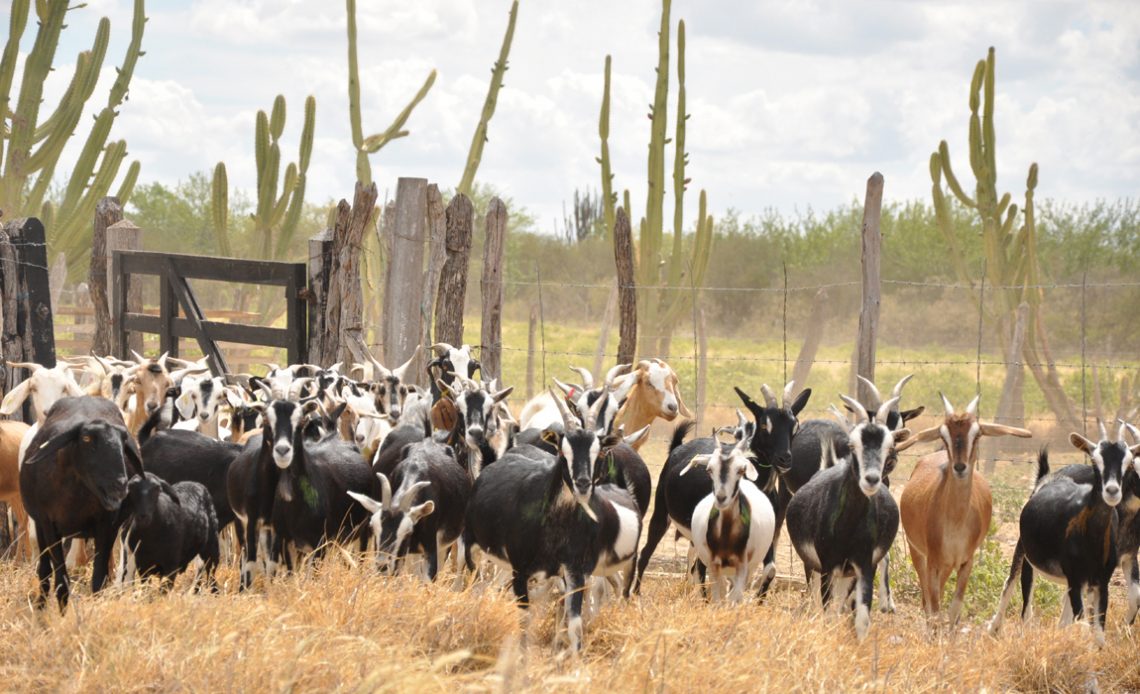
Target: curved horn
[[138, 357], [1103, 430], [1132, 429], [972, 408], [441, 349], [741, 420], [885, 409], [566, 388], [615, 372], [410, 494], [399, 371], [840, 415], [569, 421], [162, 360], [385, 491], [595, 413], [587, 377], [876, 396], [946, 405], [897, 391], [1120, 432], [769, 396], [856, 407], [788, 393]]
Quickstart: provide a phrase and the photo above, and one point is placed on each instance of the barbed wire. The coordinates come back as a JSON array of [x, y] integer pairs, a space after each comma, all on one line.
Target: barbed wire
[[828, 285]]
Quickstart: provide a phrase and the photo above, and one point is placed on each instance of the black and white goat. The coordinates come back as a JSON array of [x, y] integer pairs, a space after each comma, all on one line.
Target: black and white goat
[[425, 513], [479, 436], [545, 517], [540, 412], [72, 483], [166, 527], [732, 527], [843, 520], [448, 363], [822, 443], [1069, 530], [770, 448]]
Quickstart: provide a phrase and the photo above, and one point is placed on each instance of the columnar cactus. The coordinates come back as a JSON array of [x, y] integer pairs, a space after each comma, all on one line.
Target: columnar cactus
[[27, 168], [372, 144], [475, 154], [609, 197]]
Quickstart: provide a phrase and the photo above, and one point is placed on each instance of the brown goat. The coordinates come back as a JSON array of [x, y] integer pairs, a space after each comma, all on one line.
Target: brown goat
[[654, 393], [946, 505], [11, 433]]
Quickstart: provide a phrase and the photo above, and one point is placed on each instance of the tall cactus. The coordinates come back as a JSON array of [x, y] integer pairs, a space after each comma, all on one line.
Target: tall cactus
[[609, 197], [475, 154], [372, 144], [1011, 254], [33, 147], [276, 216], [666, 298]]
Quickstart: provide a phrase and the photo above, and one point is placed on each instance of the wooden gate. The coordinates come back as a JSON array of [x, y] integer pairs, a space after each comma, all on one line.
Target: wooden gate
[[175, 293]]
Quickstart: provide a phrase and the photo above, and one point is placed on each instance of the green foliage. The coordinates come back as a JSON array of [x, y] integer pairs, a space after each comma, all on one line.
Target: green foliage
[[479, 139], [372, 144], [33, 147]]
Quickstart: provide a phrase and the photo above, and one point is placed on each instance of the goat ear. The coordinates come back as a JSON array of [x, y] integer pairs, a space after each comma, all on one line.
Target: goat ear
[[166, 487], [15, 398], [1081, 443], [901, 436], [371, 505], [991, 429], [52, 446], [423, 510], [908, 415], [185, 404], [1135, 450], [930, 434], [801, 401], [750, 472], [636, 437], [756, 410], [131, 454], [502, 395], [310, 406], [680, 403], [701, 460]]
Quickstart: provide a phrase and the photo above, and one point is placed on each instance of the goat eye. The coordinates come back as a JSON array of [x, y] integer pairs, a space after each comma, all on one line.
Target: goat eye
[[86, 439]]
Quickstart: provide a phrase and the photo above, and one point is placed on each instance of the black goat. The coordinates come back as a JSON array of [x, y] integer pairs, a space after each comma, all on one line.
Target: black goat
[[73, 481], [545, 516], [166, 527], [843, 520], [1069, 530], [772, 431], [178, 455], [426, 512], [252, 478], [311, 504]]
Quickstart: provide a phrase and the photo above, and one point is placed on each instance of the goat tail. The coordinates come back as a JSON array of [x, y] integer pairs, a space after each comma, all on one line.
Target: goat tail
[[1042, 465], [680, 433]]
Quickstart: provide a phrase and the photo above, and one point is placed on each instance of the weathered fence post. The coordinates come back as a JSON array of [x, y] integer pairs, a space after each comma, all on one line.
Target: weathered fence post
[[13, 348], [627, 288], [869, 313], [437, 255], [319, 266], [405, 271], [453, 282], [123, 235], [108, 211], [345, 295], [607, 324], [812, 339], [31, 252], [491, 338]]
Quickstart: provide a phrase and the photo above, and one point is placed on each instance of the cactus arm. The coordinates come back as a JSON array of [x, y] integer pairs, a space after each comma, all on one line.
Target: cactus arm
[[277, 117], [134, 52], [945, 223], [649, 252], [297, 197], [475, 154], [288, 183], [989, 137], [943, 154], [220, 209], [373, 143], [26, 114], [80, 88], [85, 164], [609, 198], [680, 157], [71, 230], [17, 21], [363, 170]]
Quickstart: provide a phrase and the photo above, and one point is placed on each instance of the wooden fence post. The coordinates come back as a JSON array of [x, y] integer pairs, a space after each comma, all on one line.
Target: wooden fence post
[[814, 335], [460, 216], [607, 324], [869, 313], [108, 211], [627, 288], [125, 236], [405, 271], [31, 253], [319, 266], [437, 255], [10, 342], [491, 338]]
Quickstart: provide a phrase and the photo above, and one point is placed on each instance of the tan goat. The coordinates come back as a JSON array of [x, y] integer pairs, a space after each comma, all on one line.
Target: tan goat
[[946, 505], [653, 391], [11, 434]]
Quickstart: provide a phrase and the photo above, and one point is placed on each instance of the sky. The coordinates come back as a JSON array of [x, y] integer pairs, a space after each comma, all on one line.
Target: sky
[[792, 104]]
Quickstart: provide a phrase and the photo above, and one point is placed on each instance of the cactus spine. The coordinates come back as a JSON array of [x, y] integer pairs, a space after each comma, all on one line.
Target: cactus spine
[[372, 144], [609, 197], [479, 139]]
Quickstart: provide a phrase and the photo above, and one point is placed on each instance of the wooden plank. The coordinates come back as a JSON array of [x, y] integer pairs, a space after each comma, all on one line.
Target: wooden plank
[[627, 288], [189, 303], [167, 311], [872, 297], [405, 271], [319, 265], [125, 236], [460, 216], [108, 211], [267, 272], [491, 329], [218, 332], [296, 317]]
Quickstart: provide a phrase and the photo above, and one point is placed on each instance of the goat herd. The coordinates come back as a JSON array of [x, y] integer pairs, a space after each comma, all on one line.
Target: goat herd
[[159, 457]]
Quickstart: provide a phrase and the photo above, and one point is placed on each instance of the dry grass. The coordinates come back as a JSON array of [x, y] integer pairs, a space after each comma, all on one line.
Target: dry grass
[[343, 629]]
